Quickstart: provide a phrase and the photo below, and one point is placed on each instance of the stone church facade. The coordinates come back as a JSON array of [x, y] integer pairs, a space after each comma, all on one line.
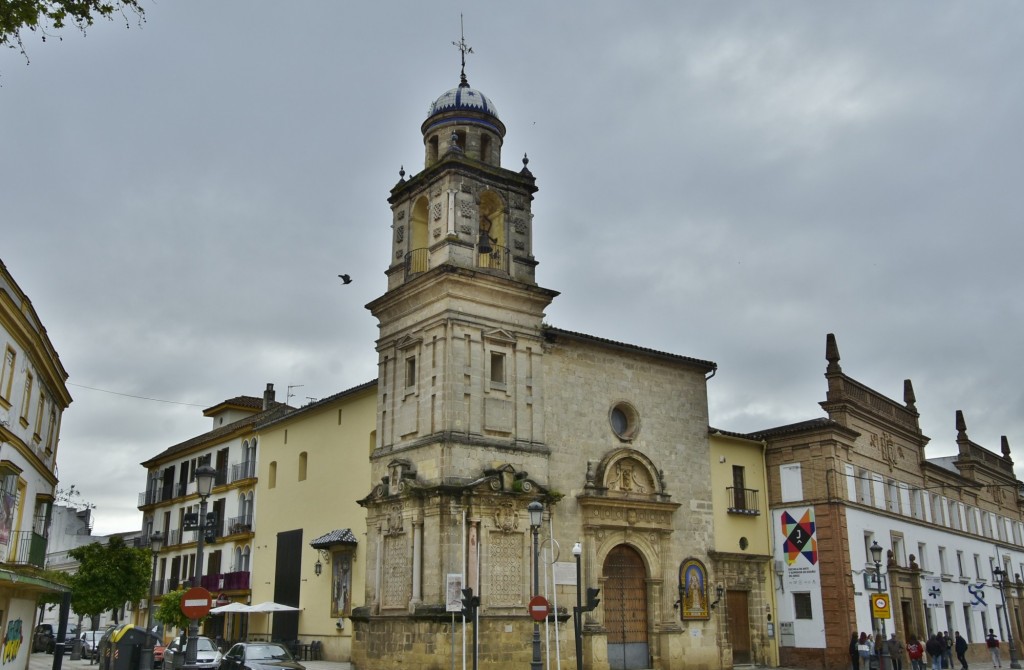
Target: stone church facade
[[483, 409]]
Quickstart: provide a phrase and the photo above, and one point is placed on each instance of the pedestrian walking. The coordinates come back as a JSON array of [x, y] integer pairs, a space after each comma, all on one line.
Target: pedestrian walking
[[916, 652], [854, 654], [936, 649], [947, 656], [896, 651], [864, 645], [960, 646], [992, 642]]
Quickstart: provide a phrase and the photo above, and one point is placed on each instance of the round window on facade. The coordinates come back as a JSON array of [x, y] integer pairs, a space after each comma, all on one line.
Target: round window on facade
[[625, 421]]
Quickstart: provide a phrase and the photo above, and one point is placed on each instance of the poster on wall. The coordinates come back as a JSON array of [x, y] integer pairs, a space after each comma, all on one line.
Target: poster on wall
[[453, 593], [693, 590], [977, 595], [799, 542], [7, 501], [931, 586]]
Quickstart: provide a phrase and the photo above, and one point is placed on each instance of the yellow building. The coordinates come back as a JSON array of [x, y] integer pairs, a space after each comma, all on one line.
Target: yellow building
[[309, 534], [33, 396], [742, 550], [171, 506]]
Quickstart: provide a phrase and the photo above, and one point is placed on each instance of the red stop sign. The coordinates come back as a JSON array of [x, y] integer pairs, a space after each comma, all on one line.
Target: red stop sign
[[195, 603], [538, 608]]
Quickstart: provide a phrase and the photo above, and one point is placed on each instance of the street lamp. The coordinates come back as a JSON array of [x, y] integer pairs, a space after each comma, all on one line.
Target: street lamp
[[1000, 578], [205, 475], [156, 543], [536, 510], [577, 551], [876, 556]]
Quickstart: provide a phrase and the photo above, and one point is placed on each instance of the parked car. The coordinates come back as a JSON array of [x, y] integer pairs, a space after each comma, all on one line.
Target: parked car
[[44, 638], [158, 654], [90, 642], [259, 656], [208, 656]]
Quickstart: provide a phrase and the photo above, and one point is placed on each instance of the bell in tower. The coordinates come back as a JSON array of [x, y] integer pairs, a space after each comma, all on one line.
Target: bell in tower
[[463, 209]]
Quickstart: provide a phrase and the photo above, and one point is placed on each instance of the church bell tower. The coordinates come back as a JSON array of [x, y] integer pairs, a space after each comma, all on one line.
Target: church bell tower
[[460, 444]]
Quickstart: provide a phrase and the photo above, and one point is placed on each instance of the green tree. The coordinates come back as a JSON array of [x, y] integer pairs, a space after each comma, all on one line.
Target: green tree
[[169, 612], [108, 576], [43, 16]]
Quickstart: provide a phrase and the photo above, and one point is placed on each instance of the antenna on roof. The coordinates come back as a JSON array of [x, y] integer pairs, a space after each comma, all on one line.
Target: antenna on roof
[[464, 49], [288, 394]]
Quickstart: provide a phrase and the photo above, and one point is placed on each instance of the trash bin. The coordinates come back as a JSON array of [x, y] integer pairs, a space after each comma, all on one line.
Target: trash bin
[[125, 647]]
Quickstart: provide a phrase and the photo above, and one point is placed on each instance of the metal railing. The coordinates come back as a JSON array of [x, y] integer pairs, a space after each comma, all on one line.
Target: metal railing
[[162, 493], [26, 547], [417, 261], [742, 501], [496, 259], [243, 470], [240, 524]]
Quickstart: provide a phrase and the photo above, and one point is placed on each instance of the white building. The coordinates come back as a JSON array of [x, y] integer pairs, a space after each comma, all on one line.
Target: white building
[[33, 397]]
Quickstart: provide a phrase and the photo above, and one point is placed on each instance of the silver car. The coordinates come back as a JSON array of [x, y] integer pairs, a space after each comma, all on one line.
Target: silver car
[[90, 641], [208, 656]]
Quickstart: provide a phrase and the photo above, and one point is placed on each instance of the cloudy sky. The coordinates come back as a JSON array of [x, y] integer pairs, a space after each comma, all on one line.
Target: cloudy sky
[[728, 181]]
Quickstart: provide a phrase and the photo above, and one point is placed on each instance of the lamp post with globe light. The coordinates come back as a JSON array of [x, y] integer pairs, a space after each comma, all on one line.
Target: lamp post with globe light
[[156, 543], [536, 510], [205, 476], [1000, 578], [876, 557], [577, 551]]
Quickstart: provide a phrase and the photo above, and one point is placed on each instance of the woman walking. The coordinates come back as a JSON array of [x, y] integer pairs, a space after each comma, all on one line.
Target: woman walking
[[916, 653], [864, 649]]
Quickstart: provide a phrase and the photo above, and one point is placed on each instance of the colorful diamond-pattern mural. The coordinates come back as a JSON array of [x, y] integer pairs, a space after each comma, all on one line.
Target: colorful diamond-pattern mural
[[800, 539]]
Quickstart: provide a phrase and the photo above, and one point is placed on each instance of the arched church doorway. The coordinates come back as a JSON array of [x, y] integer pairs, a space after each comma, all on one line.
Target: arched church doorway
[[625, 608]]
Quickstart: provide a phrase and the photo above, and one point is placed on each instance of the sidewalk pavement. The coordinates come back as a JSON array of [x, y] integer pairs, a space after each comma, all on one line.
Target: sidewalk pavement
[[44, 661]]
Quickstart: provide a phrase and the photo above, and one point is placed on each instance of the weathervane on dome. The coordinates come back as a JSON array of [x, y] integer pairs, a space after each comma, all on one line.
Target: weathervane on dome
[[464, 49]]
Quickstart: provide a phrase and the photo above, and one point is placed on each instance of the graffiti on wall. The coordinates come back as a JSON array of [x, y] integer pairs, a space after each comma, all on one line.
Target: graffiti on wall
[[12, 641]]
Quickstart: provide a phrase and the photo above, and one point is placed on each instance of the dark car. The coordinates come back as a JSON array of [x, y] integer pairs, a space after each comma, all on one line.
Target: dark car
[[44, 638], [259, 656]]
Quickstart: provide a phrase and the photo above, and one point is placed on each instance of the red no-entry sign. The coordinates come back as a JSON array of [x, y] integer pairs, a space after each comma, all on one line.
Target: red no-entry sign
[[538, 608], [195, 603]]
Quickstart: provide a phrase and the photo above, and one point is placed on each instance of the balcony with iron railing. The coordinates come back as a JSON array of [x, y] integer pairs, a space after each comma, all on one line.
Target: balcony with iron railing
[[239, 524], [226, 581], [243, 470], [162, 494], [742, 501], [26, 547]]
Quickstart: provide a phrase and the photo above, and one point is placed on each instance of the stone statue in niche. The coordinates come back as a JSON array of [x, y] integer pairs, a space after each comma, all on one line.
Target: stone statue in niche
[[628, 476]]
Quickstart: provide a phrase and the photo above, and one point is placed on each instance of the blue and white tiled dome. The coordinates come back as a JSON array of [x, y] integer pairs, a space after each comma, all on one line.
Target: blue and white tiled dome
[[463, 98]]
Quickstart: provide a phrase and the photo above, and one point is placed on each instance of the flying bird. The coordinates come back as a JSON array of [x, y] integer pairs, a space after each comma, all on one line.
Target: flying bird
[[345, 279]]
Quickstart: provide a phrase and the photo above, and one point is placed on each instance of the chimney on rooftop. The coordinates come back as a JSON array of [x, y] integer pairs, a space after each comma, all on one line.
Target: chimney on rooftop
[[268, 397]]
